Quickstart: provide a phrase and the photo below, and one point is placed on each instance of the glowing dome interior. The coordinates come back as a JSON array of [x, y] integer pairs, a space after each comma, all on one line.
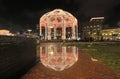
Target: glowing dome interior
[[58, 18], [58, 25]]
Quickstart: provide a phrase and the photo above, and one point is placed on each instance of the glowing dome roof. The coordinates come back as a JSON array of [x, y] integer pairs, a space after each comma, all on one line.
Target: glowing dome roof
[[58, 18]]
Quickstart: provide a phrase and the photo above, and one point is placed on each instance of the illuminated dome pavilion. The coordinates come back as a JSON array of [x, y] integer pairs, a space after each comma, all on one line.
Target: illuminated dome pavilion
[[58, 25]]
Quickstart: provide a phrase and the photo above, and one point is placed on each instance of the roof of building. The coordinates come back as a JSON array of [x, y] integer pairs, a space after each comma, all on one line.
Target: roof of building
[[96, 18], [57, 17]]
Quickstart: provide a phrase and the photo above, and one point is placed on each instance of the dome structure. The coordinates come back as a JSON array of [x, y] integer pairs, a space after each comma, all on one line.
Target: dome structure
[[58, 19]]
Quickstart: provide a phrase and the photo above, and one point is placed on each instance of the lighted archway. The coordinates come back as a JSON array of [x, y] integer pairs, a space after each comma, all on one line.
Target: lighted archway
[[58, 24]]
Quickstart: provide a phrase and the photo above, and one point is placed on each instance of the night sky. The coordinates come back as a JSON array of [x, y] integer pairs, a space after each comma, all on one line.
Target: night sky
[[25, 14]]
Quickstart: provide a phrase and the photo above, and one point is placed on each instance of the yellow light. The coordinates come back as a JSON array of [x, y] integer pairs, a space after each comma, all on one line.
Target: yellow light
[[110, 34], [6, 32], [106, 34], [94, 33], [51, 53], [51, 26]]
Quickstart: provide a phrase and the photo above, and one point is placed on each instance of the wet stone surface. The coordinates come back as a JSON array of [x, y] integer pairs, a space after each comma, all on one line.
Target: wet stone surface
[[59, 57], [85, 68]]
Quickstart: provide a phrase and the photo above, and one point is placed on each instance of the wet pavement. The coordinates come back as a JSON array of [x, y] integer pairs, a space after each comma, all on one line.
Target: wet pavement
[[85, 67]]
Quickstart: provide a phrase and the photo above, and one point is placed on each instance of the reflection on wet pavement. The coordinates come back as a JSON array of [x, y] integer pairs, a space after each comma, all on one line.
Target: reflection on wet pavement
[[58, 57], [59, 62]]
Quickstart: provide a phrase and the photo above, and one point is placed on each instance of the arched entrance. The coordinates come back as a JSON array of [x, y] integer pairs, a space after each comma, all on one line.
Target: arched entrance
[[58, 24]]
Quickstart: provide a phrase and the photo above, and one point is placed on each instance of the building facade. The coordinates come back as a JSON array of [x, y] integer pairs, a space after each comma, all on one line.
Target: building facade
[[6, 32], [111, 34], [91, 30], [58, 25]]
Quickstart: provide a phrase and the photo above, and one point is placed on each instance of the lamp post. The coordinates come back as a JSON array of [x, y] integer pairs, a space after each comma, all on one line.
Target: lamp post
[[29, 31]]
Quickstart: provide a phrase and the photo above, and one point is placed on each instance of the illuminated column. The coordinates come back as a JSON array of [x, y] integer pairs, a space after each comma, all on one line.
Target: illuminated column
[[73, 32], [63, 29], [54, 33], [40, 30], [49, 33], [46, 33], [63, 32], [76, 31]]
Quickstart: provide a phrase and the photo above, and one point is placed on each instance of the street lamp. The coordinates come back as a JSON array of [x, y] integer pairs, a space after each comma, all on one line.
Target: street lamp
[[29, 30]]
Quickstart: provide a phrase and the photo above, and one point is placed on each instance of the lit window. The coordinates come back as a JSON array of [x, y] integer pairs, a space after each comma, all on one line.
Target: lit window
[[110, 34], [106, 34], [98, 25], [94, 33]]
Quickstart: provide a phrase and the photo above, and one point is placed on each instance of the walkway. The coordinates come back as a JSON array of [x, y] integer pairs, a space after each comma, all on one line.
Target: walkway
[[84, 68]]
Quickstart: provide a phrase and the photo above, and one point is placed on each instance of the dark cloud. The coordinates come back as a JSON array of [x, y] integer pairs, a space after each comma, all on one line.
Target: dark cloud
[[98, 7], [113, 15]]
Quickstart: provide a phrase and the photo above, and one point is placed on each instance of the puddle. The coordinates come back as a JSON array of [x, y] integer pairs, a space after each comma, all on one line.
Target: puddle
[[58, 57]]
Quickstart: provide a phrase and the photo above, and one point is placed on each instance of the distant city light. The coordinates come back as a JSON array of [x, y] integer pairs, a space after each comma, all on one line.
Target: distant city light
[[6, 32], [78, 38], [29, 30]]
